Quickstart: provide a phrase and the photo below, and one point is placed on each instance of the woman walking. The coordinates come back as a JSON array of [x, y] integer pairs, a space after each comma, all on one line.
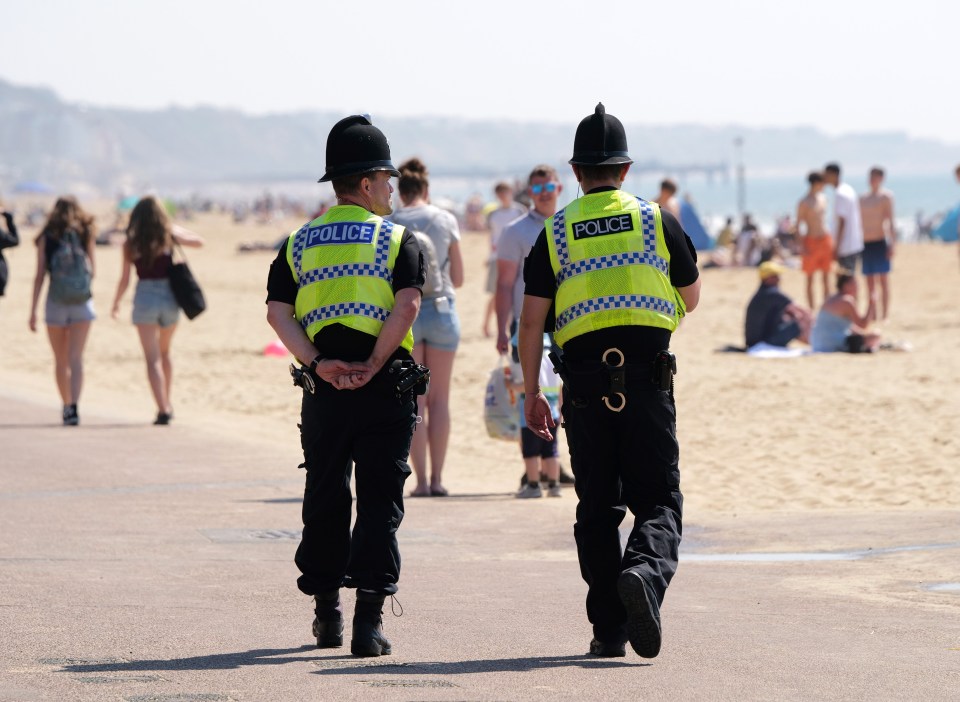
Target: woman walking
[[437, 329], [149, 248], [65, 252]]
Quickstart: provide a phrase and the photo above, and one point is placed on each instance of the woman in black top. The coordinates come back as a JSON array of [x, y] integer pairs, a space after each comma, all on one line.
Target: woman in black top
[[149, 249]]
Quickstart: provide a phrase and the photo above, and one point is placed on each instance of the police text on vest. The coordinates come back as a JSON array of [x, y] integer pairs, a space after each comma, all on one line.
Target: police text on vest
[[602, 226], [341, 233]]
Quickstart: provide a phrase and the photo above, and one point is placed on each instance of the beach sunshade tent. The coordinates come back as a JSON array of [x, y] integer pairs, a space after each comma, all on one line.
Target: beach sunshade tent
[[947, 229], [694, 227]]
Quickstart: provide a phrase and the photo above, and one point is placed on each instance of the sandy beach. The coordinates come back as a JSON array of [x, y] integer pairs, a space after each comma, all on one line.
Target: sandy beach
[[824, 432], [142, 562]]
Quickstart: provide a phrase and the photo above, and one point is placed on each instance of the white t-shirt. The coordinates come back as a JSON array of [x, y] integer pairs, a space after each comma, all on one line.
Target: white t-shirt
[[441, 227], [847, 205]]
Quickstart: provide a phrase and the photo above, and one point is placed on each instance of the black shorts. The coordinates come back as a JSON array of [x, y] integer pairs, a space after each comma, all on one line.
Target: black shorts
[[533, 446]]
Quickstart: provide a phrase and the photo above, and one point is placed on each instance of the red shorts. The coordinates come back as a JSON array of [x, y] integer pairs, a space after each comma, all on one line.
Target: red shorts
[[817, 253]]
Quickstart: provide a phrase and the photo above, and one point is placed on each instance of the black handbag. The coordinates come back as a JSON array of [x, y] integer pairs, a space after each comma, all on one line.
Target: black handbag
[[185, 287]]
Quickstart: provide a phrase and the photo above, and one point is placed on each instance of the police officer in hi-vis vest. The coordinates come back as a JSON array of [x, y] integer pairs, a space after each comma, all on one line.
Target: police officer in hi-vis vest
[[342, 295], [617, 274]]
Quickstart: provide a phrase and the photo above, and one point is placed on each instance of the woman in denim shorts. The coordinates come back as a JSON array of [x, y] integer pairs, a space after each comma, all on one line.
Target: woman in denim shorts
[[149, 249], [68, 229], [436, 333]]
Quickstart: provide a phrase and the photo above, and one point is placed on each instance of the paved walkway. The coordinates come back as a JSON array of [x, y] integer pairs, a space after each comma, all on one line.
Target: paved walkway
[[156, 564]]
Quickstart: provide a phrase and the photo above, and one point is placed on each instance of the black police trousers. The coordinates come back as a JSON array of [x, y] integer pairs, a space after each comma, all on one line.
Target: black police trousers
[[367, 430], [623, 460]]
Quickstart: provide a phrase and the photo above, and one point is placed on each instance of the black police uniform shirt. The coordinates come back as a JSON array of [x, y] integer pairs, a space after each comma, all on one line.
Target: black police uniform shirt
[[336, 340], [639, 344]]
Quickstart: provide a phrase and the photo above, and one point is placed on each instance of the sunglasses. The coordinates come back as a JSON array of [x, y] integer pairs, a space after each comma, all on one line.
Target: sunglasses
[[540, 187]]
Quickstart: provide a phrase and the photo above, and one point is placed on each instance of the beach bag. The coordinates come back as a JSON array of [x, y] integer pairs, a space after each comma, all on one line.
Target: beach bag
[[433, 283], [185, 287], [70, 271], [500, 412]]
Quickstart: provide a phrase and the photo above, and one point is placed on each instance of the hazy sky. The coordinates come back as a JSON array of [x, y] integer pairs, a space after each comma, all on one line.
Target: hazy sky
[[839, 65]]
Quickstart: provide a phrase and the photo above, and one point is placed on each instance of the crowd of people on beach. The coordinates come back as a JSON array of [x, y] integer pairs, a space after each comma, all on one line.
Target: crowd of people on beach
[[862, 239], [859, 243]]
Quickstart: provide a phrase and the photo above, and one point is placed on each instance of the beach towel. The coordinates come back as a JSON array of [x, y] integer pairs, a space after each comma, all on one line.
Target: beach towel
[[763, 350]]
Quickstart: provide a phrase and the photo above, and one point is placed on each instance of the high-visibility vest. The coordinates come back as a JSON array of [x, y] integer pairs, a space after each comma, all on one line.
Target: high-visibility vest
[[343, 264], [612, 266]]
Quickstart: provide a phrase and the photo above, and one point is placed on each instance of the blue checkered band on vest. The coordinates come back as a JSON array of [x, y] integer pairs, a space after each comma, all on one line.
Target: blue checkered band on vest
[[560, 238], [376, 269], [615, 302], [648, 224], [318, 274], [647, 258], [341, 309], [632, 258], [299, 243]]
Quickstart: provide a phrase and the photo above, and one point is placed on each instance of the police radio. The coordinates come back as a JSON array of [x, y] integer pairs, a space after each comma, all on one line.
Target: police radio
[[410, 378]]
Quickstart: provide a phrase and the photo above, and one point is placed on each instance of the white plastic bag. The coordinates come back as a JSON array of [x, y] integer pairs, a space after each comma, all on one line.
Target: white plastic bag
[[500, 413]]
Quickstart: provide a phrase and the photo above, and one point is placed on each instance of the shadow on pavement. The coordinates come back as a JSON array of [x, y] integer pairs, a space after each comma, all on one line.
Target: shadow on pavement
[[344, 665], [217, 661], [492, 665]]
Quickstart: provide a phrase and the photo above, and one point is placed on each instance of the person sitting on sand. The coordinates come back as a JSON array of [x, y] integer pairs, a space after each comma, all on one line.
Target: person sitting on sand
[[772, 317], [839, 325]]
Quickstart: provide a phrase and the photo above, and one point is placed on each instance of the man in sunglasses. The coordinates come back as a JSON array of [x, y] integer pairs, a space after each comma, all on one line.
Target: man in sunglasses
[[516, 240], [619, 273]]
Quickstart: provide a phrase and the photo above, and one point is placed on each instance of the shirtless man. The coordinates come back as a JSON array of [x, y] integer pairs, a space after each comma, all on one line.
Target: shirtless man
[[667, 199], [816, 242], [876, 212]]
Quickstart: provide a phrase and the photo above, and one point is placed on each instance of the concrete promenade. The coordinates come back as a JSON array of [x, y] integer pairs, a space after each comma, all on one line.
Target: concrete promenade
[[154, 564]]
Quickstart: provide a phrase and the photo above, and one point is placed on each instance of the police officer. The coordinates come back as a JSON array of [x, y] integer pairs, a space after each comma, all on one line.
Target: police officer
[[618, 273], [342, 296]]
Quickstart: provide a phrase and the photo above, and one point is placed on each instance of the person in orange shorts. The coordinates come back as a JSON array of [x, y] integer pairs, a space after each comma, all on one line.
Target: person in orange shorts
[[817, 244]]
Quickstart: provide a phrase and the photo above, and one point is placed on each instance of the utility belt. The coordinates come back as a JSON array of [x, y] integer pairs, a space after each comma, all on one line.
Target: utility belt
[[406, 378], [609, 376]]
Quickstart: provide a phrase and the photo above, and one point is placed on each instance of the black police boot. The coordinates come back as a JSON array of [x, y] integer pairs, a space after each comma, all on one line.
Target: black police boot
[[328, 622], [368, 639], [608, 649], [643, 614]]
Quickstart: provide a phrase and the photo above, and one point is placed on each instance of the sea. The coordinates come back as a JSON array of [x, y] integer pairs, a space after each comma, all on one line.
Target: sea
[[919, 200]]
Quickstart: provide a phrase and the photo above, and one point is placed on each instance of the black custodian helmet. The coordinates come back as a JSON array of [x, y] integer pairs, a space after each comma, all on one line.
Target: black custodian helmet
[[355, 146], [600, 140]]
